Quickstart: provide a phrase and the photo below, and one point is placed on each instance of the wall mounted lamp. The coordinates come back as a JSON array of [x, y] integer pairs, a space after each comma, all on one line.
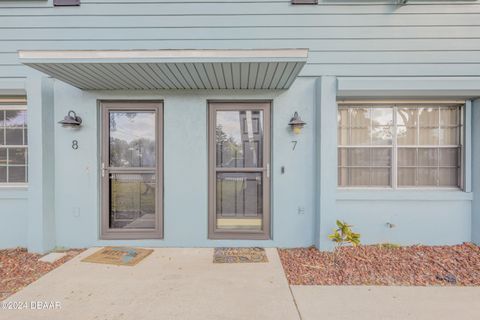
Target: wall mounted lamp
[[71, 120], [296, 123]]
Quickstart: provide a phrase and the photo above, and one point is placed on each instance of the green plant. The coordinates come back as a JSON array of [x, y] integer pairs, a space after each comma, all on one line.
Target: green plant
[[344, 235]]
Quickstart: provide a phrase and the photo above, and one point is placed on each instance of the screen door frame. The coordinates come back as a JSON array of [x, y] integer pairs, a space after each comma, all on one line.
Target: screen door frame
[[107, 106], [234, 105]]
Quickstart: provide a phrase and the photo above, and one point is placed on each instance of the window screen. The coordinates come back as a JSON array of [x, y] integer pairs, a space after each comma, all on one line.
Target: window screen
[[400, 145]]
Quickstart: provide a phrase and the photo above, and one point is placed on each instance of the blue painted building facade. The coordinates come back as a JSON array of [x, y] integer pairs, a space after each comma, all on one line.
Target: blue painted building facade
[[362, 54]]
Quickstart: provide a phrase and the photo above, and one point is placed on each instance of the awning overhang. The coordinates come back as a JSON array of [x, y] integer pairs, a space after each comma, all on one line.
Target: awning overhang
[[170, 69]]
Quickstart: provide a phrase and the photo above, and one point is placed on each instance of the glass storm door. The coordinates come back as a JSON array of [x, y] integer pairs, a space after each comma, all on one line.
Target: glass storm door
[[131, 175], [239, 182]]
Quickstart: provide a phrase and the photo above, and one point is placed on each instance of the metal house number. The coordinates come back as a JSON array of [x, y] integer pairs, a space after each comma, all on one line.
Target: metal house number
[[294, 142], [75, 144]]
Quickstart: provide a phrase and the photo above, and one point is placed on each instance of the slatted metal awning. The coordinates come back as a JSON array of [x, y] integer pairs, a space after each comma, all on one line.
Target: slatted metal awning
[[170, 69]]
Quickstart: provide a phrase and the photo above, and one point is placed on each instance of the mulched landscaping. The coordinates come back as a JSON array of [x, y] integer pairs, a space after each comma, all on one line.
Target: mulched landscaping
[[384, 265], [18, 268]]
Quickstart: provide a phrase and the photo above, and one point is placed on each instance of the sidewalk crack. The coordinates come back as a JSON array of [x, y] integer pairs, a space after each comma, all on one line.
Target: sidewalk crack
[[295, 302]]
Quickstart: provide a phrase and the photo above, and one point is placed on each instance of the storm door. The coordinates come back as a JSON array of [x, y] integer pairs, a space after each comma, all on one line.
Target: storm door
[[239, 170], [131, 172]]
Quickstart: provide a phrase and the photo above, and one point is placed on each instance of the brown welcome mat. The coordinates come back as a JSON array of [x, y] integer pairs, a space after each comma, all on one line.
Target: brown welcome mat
[[239, 255], [120, 256]]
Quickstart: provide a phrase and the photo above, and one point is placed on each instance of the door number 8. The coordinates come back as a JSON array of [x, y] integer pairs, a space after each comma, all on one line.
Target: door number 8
[[75, 144]]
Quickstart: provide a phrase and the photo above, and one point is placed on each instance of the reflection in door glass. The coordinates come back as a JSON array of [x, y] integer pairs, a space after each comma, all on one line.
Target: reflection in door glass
[[239, 138], [132, 139], [132, 200], [239, 201]]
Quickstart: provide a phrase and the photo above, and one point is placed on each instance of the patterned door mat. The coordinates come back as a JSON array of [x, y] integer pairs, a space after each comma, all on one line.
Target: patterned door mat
[[120, 256], [239, 255]]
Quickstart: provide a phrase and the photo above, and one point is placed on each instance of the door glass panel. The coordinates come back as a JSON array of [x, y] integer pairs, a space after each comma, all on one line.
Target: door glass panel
[[132, 200], [129, 173], [240, 177], [239, 201], [132, 139], [239, 139]]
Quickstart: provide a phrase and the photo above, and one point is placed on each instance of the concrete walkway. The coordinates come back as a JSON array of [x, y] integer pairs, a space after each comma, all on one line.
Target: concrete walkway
[[168, 284], [185, 284], [387, 303]]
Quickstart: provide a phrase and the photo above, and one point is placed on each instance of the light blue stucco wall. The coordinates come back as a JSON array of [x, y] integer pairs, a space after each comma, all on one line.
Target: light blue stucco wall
[[476, 171], [41, 163], [431, 222], [13, 214], [185, 167]]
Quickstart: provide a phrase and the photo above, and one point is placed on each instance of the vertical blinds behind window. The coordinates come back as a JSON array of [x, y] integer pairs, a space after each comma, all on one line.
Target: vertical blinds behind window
[[400, 145]]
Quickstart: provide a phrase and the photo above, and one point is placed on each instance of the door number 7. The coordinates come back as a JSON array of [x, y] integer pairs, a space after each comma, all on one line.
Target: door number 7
[[294, 142]]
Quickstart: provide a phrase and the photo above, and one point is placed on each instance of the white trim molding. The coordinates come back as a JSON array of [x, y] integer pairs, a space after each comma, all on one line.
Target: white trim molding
[[408, 87]]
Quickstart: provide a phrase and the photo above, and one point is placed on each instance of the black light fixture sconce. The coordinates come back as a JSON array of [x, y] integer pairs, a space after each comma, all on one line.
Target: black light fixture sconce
[[71, 120], [296, 123]]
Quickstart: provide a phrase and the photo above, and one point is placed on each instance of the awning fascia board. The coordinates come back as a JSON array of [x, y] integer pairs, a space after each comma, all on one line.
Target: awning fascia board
[[101, 69]]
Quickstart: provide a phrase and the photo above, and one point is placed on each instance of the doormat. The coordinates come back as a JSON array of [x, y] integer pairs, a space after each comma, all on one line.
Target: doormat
[[239, 255], [120, 256]]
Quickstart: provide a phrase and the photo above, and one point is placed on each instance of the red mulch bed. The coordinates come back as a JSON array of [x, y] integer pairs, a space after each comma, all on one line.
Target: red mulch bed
[[383, 265], [18, 268]]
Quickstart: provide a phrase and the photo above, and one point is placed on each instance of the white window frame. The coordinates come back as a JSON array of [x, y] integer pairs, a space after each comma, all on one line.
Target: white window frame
[[9, 107], [394, 146]]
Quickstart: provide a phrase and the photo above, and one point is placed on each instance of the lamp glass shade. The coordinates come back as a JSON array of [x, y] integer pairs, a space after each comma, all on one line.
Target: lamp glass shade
[[297, 129]]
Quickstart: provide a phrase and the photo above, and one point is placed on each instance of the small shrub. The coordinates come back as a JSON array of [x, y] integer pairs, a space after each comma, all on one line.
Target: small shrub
[[344, 235]]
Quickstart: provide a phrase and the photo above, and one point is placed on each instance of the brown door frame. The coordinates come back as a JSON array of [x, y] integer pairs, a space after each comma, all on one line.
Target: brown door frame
[[220, 105], [106, 106]]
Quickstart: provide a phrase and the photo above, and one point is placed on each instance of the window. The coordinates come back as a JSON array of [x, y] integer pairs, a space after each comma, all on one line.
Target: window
[[402, 145], [13, 144]]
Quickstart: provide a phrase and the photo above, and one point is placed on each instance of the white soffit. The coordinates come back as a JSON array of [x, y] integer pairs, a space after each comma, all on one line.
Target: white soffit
[[170, 69]]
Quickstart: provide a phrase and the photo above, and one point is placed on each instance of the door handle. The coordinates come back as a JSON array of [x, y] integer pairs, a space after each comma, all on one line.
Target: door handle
[[268, 170], [104, 169]]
